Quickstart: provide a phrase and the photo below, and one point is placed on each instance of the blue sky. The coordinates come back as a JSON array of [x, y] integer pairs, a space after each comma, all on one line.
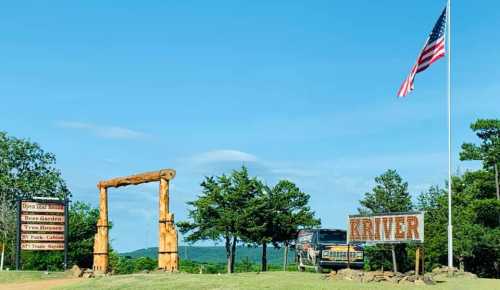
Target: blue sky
[[303, 90]]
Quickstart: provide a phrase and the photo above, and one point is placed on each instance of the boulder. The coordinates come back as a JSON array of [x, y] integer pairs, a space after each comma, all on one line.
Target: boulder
[[419, 282], [88, 273], [427, 278], [381, 276], [470, 275], [350, 274], [76, 271]]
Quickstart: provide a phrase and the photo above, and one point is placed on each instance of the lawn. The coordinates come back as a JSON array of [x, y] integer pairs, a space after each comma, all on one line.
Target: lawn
[[26, 276], [270, 280]]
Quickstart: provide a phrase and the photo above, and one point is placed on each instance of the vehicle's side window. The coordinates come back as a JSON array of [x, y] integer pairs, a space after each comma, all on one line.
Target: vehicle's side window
[[305, 237]]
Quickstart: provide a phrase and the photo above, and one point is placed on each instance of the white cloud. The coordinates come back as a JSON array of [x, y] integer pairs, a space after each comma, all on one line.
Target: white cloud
[[109, 132], [295, 172], [224, 155]]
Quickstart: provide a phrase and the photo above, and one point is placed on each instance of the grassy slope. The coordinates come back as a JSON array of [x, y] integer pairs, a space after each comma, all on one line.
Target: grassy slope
[[24, 276], [270, 280], [217, 254]]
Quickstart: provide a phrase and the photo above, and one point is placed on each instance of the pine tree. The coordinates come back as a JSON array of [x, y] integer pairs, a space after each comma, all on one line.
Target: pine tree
[[390, 194]]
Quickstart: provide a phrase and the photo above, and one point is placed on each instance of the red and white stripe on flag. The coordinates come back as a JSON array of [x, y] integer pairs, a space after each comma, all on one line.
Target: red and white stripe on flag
[[433, 50]]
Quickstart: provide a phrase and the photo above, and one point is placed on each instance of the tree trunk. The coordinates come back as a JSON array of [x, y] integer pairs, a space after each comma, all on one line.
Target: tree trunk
[[1, 259], [264, 257], [394, 263], [497, 181], [285, 257], [233, 254], [229, 255]]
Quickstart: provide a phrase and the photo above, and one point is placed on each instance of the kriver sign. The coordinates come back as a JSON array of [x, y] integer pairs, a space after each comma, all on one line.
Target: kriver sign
[[386, 228], [42, 226]]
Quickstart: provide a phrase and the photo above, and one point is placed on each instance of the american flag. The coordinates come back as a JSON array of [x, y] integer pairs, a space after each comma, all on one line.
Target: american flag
[[433, 50]]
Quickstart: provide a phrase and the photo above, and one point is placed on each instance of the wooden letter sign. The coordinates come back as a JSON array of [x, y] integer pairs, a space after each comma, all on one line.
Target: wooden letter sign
[[386, 228]]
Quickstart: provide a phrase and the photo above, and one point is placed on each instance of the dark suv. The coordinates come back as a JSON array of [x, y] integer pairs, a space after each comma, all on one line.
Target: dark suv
[[326, 248]]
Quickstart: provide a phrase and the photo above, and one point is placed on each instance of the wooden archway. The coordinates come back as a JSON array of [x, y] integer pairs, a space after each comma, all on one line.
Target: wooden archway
[[168, 259]]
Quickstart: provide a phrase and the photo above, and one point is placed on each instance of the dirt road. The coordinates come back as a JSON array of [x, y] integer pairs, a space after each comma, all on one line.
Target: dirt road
[[38, 285]]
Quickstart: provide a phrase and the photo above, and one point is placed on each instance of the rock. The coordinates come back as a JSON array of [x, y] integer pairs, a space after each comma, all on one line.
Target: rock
[[76, 271], [428, 280], [470, 275], [408, 278], [404, 282], [389, 273], [350, 274], [88, 273], [395, 279], [442, 273], [368, 277], [419, 282]]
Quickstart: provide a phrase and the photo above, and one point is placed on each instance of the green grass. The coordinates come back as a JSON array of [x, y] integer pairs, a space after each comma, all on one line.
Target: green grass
[[25, 276], [270, 280]]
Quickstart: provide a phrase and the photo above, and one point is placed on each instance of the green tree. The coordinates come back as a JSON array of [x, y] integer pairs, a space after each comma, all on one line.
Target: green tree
[[390, 194], [475, 225], [222, 211], [434, 203], [25, 170], [82, 229], [488, 130], [279, 212]]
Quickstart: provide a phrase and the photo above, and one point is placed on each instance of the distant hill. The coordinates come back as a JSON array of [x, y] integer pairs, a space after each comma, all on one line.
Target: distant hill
[[218, 254]]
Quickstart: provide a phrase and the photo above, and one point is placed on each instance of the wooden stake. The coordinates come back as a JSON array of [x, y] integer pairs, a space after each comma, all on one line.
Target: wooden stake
[[417, 261], [168, 258], [423, 261], [348, 256], [101, 240]]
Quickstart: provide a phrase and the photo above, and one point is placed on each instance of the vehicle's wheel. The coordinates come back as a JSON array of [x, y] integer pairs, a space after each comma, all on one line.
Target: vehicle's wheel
[[300, 266]]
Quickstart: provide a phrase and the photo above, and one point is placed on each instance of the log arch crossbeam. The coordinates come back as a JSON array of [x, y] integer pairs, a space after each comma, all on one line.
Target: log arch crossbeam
[[152, 176], [168, 259]]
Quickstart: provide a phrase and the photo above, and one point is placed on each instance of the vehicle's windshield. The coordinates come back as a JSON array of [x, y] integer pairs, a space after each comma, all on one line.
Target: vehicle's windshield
[[326, 236]]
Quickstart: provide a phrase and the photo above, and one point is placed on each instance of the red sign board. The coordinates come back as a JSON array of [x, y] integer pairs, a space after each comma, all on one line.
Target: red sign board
[[42, 207], [42, 237], [42, 218], [41, 228], [42, 246]]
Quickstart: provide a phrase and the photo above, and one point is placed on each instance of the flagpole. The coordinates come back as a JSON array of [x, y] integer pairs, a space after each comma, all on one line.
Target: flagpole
[[450, 226]]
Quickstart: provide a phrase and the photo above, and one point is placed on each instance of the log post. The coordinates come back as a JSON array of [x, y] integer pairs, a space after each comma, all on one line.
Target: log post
[[167, 248], [348, 256], [423, 259], [417, 261], [101, 241]]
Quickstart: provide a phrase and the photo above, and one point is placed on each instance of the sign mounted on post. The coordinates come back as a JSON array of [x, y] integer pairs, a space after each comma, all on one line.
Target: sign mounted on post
[[386, 228], [42, 225]]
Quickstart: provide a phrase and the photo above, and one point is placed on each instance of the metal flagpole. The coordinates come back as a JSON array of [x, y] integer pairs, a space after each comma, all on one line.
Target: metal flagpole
[[450, 226]]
